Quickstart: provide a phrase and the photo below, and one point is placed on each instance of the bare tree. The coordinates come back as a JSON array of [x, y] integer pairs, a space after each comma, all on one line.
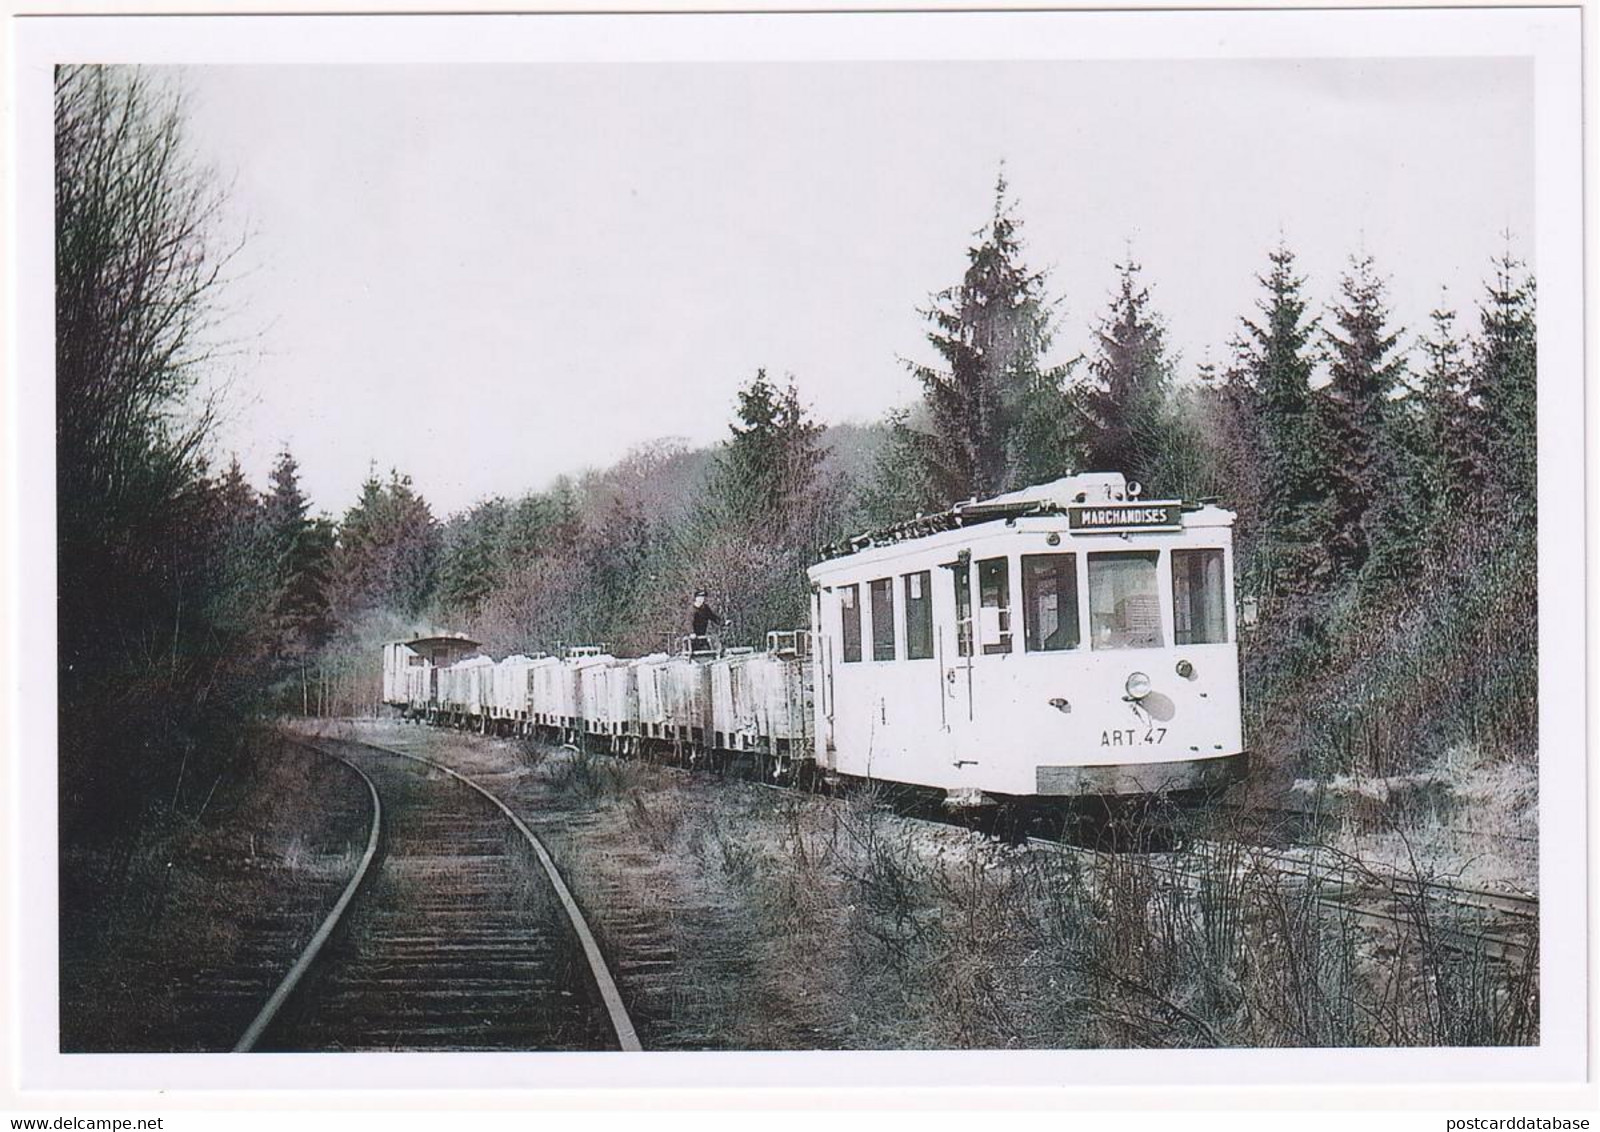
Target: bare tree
[[138, 273]]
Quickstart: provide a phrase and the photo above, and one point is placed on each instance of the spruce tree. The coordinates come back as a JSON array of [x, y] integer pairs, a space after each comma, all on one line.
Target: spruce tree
[[412, 546], [898, 487], [1503, 389], [1444, 460], [1363, 429], [1278, 357], [246, 583], [470, 567], [527, 528], [238, 500], [766, 473], [1125, 423], [565, 522], [993, 405], [386, 550], [765, 510], [1232, 408], [301, 549]]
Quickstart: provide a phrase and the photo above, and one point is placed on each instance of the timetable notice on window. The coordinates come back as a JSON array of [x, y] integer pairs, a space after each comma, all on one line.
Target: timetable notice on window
[[1126, 517]]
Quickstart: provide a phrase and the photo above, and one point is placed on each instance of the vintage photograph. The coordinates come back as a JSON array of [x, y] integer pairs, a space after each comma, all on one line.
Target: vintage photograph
[[745, 555]]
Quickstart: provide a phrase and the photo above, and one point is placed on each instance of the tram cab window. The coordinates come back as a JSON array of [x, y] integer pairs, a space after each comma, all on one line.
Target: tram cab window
[[961, 574], [994, 600], [1198, 598], [850, 622], [1049, 602], [1124, 605], [919, 616], [882, 594]]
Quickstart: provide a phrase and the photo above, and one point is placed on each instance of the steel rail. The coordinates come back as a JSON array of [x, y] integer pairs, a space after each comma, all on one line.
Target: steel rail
[[1299, 813], [1310, 860], [621, 1023], [309, 954], [1303, 866], [1515, 905], [1499, 947]]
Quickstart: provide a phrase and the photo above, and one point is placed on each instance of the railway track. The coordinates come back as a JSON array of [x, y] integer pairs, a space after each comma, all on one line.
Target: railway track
[[1463, 919], [1466, 921], [455, 931]]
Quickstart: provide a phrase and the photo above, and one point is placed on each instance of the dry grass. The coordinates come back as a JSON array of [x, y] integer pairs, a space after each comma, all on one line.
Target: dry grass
[[1465, 817], [797, 921], [176, 902], [938, 938]]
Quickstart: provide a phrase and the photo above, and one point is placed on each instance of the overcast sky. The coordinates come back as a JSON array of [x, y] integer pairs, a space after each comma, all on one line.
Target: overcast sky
[[491, 275]]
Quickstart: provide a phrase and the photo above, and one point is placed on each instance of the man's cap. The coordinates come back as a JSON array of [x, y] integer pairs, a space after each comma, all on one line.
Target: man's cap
[[699, 593]]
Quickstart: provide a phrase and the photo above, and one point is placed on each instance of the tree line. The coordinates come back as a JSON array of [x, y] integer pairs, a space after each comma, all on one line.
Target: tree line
[[1384, 482], [1382, 479]]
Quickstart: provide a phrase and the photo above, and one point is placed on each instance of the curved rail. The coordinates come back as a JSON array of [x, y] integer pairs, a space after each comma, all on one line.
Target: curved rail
[[621, 1023], [325, 931]]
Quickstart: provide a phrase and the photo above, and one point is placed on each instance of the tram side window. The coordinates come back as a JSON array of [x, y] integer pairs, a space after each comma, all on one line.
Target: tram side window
[[962, 575], [882, 592], [1049, 602], [919, 616], [994, 597], [1124, 606], [1198, 598], [850, 627]]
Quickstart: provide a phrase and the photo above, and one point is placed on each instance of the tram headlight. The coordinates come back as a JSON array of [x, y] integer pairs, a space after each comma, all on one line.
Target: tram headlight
[[1185, 669], [1138, 686]]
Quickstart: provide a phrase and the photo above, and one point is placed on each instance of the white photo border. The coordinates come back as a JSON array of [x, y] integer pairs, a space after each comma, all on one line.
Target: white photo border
[[1550, 37]]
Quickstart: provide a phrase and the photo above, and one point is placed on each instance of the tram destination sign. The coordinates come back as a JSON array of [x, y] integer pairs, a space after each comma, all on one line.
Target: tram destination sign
[[1126, 517]]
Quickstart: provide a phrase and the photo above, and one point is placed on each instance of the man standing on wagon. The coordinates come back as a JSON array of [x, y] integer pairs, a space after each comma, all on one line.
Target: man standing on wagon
[[701, 618]]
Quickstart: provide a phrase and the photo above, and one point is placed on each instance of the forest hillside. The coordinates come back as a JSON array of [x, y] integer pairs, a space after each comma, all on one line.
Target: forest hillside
[[1383, 478]]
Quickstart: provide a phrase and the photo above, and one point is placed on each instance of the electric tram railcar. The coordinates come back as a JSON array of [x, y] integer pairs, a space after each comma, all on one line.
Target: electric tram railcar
[[1065, 640]]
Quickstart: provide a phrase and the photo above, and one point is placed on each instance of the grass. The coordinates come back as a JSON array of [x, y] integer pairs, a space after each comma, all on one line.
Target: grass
[[175, 901], [799, 921]]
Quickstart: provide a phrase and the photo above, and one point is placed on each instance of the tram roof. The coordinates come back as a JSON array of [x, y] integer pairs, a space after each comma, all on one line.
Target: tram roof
[[1060, 497], [440, 640]]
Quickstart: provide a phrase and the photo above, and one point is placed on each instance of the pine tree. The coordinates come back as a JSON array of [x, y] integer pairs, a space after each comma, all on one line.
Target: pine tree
[[239, 502], [470, 568], [1503, 389], [897, 487], [565, 522], [1364, 430], [766, 507], [246, 584], [1276, 356], [413, 547], [993, 407], [1230, 406], [527, 531], [301, 548], [766, 473], [386, 549], [1444, 461], [1126, 424], [614, 556]]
